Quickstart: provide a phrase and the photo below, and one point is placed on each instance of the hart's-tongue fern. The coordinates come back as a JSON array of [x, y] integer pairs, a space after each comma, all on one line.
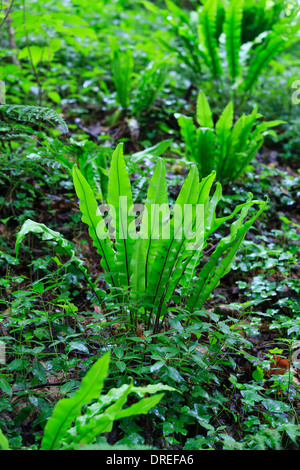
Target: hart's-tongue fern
[[233, 32], [225, 147], [148, 268]]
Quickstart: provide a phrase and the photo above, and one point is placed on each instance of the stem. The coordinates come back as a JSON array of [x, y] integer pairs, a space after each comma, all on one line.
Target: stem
[[7, 13], [35, 73]]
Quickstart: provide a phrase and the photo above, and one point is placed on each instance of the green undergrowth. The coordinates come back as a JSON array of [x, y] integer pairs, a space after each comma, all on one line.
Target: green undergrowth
[[228, 369]]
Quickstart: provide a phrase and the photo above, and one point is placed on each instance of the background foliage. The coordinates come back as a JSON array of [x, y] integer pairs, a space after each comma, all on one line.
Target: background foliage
[[159, 80]]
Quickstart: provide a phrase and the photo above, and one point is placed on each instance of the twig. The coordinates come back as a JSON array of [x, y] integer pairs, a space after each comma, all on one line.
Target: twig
[[44, 385], [7, 13], [35, 72], [12, 41]]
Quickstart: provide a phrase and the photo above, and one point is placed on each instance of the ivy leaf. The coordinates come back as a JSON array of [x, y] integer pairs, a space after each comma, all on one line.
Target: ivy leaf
[[275, 406], [174, 374], [78, 346], [5, 387], [39, 371]]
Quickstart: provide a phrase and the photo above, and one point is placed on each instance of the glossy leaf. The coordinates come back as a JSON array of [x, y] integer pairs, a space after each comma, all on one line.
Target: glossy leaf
[[67, 409], [233, 32], [4, 444], [91, 216], [207, 35], [203, 111], [119, 197], [221, 259]]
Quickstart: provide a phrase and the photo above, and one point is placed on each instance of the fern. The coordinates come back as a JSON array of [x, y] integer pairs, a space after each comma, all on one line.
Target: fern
[[274, 43], [207, 35], [148, 264], [189, 134], [259, 16], [232, 30], [59, 433], [170, 250], [225, 148], [90, 215], [184, 28], [148, 85], [136, 91], [203, 112], [120, 199], [226, 56], [33, 114], [223, 128], [206, 145], [122, 69], [221, 259], [92, 161], [156, 198]]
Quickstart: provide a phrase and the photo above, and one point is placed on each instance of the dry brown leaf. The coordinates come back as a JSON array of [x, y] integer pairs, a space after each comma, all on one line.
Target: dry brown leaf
[[201, 349], [279, 366], [117, 328]]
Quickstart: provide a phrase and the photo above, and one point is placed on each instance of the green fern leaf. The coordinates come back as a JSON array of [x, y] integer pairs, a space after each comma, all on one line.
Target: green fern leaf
[[122, 69], [119, 198], [151, 226], [262, 55], [137, 270], [223, 130], [239, 144], [186, 265], [33, 114], [206, 151], [233, 32], [203, 111], [90, 215], [67, 409], [170, 249], [222, 258], [189, 135], [207, 36]]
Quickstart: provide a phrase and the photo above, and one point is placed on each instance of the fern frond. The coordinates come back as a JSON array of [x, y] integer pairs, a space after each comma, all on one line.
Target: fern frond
[[221, 259], [203, 111], [90, 215], [283, 35], [223, 130], [207, 34], [149, 84], [233, 32], [122, 68], [157, 197], [184, 268], [261, 57], [171, 248], [206, 150], [33, 114], [189, 134], [119, 197]]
